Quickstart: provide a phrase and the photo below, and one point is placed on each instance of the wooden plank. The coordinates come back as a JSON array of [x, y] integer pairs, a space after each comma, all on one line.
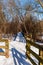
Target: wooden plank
[[3, 40], [3, 46], [35, 45], [2, 53], [37, 56], [31, 60]]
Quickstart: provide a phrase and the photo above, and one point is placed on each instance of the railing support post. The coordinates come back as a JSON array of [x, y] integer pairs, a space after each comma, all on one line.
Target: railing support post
[[27, 52], [41, 55], [7, 50]]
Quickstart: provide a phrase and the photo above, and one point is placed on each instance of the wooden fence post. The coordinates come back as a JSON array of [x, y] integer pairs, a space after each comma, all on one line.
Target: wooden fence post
[[41, 55], [7, 49], [27, 52]]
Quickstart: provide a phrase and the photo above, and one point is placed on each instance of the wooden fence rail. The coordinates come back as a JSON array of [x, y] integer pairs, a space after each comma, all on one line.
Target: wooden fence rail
[[6, 47], [29, 51]]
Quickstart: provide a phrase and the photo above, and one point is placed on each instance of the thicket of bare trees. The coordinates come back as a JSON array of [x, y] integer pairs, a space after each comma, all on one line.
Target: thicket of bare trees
[[27, 24], [2, 20], [33, 27]]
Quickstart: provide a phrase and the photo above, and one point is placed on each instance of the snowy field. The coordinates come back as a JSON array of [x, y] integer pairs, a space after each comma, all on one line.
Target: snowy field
[[16, 54]]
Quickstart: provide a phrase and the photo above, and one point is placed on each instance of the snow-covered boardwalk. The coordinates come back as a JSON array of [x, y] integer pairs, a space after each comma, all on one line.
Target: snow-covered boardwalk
[[16, 54]]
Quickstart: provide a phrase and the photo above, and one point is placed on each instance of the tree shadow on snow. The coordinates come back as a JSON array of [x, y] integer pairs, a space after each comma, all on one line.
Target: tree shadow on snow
[[1, 50], [19, 57]]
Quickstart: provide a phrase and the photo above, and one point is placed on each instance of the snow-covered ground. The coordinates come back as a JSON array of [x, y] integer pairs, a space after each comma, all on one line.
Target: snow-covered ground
[[16, 54]]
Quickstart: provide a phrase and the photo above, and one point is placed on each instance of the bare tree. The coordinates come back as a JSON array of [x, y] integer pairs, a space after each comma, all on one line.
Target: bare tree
[[40, 2]]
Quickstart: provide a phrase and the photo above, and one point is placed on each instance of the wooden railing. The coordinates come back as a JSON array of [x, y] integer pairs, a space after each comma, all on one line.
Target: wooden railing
[[30, 51], [6, 47]]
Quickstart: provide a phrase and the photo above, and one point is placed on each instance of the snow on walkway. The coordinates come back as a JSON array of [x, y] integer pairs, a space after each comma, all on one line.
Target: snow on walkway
[[16, 55]]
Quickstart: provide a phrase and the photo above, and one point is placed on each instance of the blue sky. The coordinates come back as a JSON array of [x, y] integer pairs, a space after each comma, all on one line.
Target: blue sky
[[28, 2]]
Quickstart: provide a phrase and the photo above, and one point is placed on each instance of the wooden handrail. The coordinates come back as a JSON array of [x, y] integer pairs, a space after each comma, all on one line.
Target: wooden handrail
[[28, 51], [35, 45]]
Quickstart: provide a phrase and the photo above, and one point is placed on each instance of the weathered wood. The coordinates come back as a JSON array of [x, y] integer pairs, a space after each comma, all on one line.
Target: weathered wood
[[35, 45], [2, 53], [7, 50], [3, 40], [29, 47], [31, 60], [34, 54], [40, 47], [3, 47], [41, 55], [6, 47]]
